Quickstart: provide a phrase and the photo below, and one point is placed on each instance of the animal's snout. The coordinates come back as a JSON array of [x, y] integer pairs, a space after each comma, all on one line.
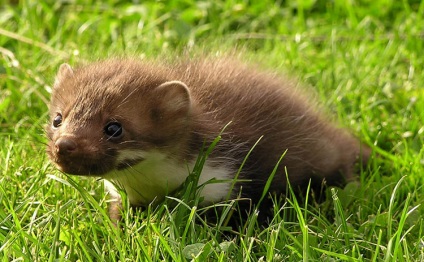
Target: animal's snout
[[65, 146]]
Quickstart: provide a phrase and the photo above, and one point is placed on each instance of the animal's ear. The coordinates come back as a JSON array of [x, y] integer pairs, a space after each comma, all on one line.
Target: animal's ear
[[65, 70], [171, 100]]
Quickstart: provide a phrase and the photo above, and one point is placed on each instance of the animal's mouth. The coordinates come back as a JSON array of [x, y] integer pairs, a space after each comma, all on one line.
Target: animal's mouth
[[77, 157], [83, 159], [83, 166]]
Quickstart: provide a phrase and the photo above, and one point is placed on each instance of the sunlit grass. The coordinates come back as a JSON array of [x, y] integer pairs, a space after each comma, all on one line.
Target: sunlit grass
[[363, 62]]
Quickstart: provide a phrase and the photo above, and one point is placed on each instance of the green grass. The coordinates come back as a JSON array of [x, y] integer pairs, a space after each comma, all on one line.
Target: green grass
[[363, 59]]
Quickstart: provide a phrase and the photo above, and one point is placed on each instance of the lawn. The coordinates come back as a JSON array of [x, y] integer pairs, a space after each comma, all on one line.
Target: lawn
[[362, 60]]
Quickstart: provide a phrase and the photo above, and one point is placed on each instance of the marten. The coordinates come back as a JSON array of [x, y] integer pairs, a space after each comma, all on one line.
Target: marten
[[141, 125]]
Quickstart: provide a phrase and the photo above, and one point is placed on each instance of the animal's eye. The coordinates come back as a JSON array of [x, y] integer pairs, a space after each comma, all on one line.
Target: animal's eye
[[113, 129], [57, 121]]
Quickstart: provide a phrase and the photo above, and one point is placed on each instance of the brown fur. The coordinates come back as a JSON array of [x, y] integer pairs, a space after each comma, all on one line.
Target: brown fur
[[178, 120]]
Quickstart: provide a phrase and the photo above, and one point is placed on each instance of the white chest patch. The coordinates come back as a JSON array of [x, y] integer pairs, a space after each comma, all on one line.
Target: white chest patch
[[158, 175]]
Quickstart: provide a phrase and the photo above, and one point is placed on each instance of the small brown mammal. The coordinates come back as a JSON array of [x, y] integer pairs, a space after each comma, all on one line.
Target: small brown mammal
[[141, 125]]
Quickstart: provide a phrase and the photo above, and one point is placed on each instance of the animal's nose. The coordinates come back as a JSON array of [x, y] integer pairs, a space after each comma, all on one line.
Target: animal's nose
[[65, 146]]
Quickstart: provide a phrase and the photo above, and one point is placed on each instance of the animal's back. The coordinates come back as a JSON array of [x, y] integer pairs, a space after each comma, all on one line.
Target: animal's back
[[262, 105]]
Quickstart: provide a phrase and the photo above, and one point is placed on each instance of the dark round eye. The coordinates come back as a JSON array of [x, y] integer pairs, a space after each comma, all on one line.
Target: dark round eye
[[113, 129], [57, 121]]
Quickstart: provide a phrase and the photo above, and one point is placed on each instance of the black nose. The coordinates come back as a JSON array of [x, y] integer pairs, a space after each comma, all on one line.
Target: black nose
[[65, 146]]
